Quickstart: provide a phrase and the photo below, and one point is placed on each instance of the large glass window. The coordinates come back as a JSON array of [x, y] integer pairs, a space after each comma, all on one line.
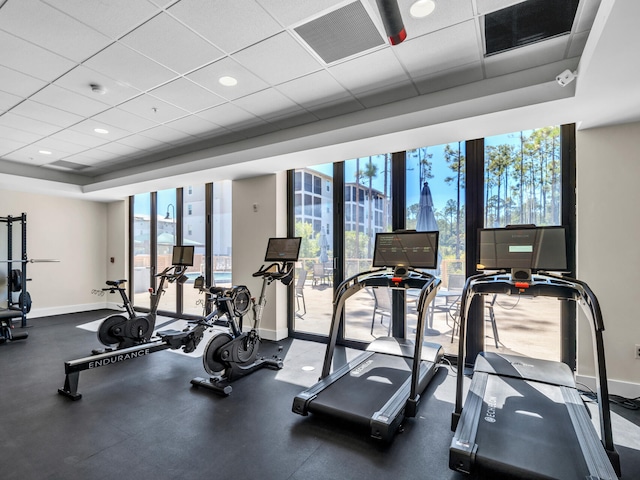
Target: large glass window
[[221, 234], [194, 233], [167, 237], [369, 180], [314, 271], [522, 185], [141, 229], [435, 193], [171, 217]]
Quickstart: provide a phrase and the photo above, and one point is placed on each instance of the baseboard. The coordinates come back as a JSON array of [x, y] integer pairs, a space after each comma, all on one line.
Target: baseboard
[[274, 335], [63, 310], [616, 387]]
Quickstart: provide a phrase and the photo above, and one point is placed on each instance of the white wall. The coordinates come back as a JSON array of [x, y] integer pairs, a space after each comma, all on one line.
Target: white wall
[[608, 251], [72, 231], [252, 228]]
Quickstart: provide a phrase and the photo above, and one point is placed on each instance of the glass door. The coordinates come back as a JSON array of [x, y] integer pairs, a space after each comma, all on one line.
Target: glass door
[[313, 216]]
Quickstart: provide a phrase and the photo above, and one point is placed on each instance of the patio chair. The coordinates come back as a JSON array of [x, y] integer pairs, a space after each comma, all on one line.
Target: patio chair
[[454, 313], [319, 274], [302, 277], [382, 307]]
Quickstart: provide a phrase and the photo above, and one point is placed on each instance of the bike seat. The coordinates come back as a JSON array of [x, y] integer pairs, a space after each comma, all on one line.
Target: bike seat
[[115, 283]]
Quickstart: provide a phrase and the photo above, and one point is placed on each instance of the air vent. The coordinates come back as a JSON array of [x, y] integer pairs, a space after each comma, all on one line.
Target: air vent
[[527, 22], [67, 165], [342, 33]]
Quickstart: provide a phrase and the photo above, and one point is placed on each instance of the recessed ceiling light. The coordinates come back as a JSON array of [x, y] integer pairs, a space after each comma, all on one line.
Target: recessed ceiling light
[[101, 130], [45, 152], [422, 8], [228, 81]]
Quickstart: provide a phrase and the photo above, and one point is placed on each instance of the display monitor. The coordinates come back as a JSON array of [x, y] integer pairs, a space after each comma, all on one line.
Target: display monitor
[[182, 255], [533, 248], [407, 248], [283, 249]]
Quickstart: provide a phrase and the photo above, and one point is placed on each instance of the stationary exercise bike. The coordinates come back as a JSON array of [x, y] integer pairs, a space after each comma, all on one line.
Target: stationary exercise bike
[[119, 331], [234, 354]]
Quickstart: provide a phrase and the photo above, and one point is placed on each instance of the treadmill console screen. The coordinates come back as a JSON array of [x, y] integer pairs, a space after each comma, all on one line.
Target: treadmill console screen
[[182, 255], [534, 248], [408, 249], [283, 249]]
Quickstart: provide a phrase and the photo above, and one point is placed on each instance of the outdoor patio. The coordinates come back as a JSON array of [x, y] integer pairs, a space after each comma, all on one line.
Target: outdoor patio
[[525, 326]]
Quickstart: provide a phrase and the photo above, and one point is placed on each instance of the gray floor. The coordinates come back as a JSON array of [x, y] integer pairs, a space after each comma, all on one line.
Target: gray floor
[[141, 419]]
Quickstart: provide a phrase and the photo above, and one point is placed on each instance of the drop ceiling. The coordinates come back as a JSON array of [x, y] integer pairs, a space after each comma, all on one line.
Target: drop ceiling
[[317, 82]]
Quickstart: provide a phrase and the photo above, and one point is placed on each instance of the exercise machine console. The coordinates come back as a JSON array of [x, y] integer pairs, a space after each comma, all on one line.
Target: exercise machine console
[[382, 386], [524, 417]]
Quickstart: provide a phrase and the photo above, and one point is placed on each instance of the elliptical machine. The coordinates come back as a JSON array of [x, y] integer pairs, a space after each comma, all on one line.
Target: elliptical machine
[[234, 354], [119, 331]]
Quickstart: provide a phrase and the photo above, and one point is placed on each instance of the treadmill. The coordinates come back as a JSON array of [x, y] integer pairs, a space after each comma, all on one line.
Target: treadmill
[[382, 386], [524, 417]]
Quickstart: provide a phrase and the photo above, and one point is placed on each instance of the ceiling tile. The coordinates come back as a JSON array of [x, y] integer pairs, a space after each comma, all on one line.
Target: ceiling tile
[[47, 27], [187, 95], [31, 59], [7, 132], [87, 127], [446, 14], [80, 79], [31, 154], [25, 124], [305, 92], [69, 101], [229, 115], [8, 100], [387, 94], [56, 145], [536, 54], [487, 6], [289, 12], [247, 82], [278, 59], [113, 17], [168, 135], [450, 78], [129, 67], [350, 74], [153, 109], [7, 146], [267, 104], [170, 43], [74, 136], [195, 126], [142, 142], [18, 83], [123, 120], [456, 45], [48, 114], [229, 25]]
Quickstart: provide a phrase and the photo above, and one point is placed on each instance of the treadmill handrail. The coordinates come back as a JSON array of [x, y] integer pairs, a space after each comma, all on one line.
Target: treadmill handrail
[[380, 277], [548, 285]]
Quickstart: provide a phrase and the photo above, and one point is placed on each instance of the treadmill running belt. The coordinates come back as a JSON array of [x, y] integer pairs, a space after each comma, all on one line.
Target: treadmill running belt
[[364, 390], [525, 431]]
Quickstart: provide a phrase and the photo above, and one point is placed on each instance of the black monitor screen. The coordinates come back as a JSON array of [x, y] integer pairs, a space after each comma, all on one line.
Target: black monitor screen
[[408, 249], [182, 255], [535, 248], [283, 249]]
